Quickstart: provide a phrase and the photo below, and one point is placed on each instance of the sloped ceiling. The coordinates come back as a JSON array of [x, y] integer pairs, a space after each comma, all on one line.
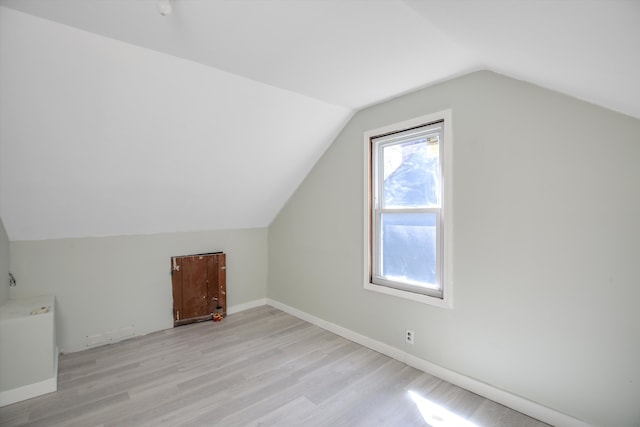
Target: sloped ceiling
[[115, 119]]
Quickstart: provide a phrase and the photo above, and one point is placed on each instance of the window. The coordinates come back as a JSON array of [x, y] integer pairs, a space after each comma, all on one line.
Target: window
[[408, 209]]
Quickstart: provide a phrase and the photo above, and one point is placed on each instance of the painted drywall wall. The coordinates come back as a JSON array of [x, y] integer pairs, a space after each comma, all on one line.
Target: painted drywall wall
[[546, 277], [103, 138], [4, 264], [105, 284]]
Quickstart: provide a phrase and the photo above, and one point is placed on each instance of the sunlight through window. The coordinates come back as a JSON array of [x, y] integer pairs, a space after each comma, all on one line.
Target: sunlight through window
[[437, 416]]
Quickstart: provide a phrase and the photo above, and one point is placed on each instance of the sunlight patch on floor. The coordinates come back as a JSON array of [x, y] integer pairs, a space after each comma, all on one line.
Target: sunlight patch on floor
[[437, 416]]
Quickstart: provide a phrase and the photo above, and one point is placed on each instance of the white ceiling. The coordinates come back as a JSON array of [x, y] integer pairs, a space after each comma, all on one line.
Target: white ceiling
[[117, 120]]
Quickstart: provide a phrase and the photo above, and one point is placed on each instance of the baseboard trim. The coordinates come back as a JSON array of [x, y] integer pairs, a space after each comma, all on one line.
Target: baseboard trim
[[29, 391], [520, 404], [339, 330], [246, 306]]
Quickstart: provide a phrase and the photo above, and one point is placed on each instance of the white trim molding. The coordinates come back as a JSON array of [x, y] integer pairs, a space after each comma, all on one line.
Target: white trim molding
[[246, 306], [520, 404], [447, 280]]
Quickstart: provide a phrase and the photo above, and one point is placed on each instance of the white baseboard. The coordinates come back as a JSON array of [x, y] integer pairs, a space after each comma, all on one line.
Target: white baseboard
[[520, 404], [29, 391], [339, 330], [246, 306]]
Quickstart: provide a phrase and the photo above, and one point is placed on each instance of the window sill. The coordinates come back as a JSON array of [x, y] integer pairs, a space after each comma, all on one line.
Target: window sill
[[424, 299]]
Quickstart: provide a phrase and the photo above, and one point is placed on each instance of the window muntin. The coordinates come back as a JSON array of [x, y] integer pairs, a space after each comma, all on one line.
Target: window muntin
[[406, 209]]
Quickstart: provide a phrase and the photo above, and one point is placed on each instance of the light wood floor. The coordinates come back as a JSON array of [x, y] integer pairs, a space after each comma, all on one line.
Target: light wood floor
[[261, 367]]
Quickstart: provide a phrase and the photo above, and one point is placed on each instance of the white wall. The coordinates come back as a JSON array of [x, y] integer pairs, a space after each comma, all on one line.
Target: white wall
[[106, 283], [546, 209], [103, 138], [4, 264]]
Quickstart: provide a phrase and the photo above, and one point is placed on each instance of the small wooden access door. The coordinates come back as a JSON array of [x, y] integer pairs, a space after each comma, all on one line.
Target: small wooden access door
[[199, 287]]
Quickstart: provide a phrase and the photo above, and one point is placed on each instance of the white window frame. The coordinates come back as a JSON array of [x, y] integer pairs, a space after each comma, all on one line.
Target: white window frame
[[445, 226]]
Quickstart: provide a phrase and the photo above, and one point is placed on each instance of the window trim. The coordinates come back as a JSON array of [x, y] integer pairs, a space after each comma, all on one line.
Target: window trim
[[446, 301]]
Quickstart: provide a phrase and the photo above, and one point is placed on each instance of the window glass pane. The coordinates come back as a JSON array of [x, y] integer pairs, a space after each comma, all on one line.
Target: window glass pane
[[412, 173], [409, 247]]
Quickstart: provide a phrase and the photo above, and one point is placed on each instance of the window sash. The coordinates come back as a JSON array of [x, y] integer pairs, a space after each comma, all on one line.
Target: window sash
[[377, 210]]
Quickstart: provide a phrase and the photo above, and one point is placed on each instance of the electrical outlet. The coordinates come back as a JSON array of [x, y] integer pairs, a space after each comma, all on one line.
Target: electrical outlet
[[409, 336]]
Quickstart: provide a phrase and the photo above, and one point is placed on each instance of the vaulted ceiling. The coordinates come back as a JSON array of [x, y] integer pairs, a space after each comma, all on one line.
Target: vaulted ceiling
[[115, 119]]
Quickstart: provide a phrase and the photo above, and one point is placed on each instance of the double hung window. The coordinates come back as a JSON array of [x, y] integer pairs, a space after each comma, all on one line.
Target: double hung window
[[406, 210]]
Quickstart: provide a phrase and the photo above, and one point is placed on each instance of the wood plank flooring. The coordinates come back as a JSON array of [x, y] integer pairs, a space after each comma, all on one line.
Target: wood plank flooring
[[260, 367]]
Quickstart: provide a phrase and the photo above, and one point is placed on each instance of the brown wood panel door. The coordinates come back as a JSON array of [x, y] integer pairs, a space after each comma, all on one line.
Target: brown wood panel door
[[212, 283], [176, 284], [194, 286], [199, 287], [217, 278], [221, 271]]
